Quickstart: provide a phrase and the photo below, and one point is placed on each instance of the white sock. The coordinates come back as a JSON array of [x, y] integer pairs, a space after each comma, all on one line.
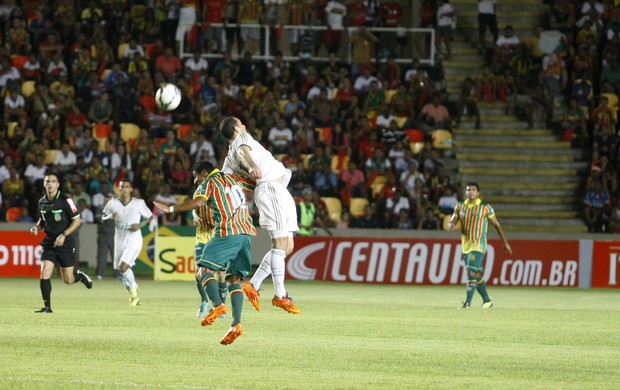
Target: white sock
[[277, 271], [129, 279], [125, 281], [264, 269]]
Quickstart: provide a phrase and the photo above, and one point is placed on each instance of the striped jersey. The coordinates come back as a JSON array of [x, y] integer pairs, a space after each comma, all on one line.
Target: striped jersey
[[226, 209], [204, 231], [474, 219], [272, 169]]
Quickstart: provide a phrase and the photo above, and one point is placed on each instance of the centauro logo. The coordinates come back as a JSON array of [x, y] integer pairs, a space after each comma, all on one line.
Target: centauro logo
[[433, 262], [297, 263]]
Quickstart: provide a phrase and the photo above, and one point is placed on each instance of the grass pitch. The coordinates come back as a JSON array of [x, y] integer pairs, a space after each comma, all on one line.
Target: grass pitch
[[347, 336]]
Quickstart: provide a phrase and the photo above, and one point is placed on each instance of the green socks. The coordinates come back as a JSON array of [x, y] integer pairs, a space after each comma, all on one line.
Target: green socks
[[209, 283], [236, 299]]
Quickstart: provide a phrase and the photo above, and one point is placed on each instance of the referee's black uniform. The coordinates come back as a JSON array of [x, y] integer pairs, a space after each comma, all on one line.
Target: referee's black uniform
[[57, 214], [56, 217]]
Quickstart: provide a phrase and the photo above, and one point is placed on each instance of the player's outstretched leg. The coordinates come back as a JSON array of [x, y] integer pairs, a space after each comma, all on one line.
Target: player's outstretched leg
[[210, 284], [281, 298], [236, 300]]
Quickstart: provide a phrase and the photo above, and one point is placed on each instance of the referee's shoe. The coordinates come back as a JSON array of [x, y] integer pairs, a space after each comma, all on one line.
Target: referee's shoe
[[88, 282]]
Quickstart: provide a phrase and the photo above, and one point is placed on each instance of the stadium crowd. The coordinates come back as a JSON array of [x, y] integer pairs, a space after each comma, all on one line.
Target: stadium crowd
[[78, 80]]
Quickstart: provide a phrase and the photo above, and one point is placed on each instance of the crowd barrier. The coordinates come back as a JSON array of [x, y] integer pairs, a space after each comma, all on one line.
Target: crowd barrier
[[364, 256]]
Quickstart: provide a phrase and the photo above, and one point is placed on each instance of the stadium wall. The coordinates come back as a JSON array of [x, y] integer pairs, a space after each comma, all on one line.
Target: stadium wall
[[366, 256]]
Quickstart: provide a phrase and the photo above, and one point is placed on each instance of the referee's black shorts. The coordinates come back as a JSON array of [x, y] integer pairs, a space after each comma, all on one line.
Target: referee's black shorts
[[63, 256]]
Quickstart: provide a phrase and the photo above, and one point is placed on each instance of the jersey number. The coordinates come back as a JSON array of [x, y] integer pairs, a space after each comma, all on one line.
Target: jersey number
[[235, 196]]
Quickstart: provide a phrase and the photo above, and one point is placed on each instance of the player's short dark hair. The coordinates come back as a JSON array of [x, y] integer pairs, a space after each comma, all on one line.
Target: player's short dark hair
[[474, 184], [53, 173], [227, 126], [204, 165], [126, 180]]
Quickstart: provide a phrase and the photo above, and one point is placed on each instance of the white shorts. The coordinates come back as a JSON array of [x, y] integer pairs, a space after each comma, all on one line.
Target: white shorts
[[276, 207], [126, 255]]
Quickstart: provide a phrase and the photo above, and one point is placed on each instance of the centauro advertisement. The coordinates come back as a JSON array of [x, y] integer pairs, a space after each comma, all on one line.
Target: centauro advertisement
[[432, 261]]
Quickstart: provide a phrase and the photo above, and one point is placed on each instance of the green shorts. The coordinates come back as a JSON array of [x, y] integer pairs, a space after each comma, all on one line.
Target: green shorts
[[473, 261], [232, 254], [198, 249]]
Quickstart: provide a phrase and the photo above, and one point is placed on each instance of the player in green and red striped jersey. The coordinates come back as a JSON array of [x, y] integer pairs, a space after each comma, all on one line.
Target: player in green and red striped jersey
[[474, 214], [222, 199]]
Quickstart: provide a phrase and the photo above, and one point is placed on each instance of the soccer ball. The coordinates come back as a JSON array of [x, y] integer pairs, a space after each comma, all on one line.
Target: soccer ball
[[168, 97]]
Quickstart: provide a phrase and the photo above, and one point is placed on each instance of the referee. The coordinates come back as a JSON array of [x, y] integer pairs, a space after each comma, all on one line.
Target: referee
[[59, 218]]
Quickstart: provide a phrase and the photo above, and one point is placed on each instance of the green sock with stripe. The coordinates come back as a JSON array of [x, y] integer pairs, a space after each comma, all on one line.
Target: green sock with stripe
[[481, 286], [236, 299], [209, 283], [202, 292], [471, 289]]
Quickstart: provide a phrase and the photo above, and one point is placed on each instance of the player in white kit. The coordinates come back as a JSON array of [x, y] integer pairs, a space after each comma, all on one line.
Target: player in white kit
[[127, 213], [276, 206]]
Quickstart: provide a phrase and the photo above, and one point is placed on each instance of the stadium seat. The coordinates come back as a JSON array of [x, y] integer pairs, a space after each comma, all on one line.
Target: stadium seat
[[416, 140], [103, 143], [281, 104], [105, 74], [377, 188], [121, 50], [50, 156], [10, 129], [19, 61], [414, 135], [129, 131], [446, 222], [102, 130], [400, 121], [380, 179], [324, 133], [612, 102], [180, 198], [148, 49], [357, 205], [389, 94], [334, 207], [101, 133], [306, 159], [12, 213], [339, 163], [442, 139], [149, 103], [28, 88], [159, 141], [280, 156], [184, 130]]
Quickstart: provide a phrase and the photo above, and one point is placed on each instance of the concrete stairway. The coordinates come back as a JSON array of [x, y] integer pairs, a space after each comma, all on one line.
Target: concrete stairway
[[532, 178]]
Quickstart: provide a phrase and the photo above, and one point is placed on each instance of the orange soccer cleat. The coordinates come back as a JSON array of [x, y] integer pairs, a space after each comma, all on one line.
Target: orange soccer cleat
[[214, 314], [232, 334], [286, 304], [252, 294]]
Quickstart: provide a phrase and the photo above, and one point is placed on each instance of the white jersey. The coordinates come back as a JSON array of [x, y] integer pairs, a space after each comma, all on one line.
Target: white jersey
[[126, 240], [275, 204], [271, 169]]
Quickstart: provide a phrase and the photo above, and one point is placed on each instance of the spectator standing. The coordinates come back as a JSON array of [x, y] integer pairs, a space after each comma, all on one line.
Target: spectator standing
[[487, 18], [335, 12], [445, 20]]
